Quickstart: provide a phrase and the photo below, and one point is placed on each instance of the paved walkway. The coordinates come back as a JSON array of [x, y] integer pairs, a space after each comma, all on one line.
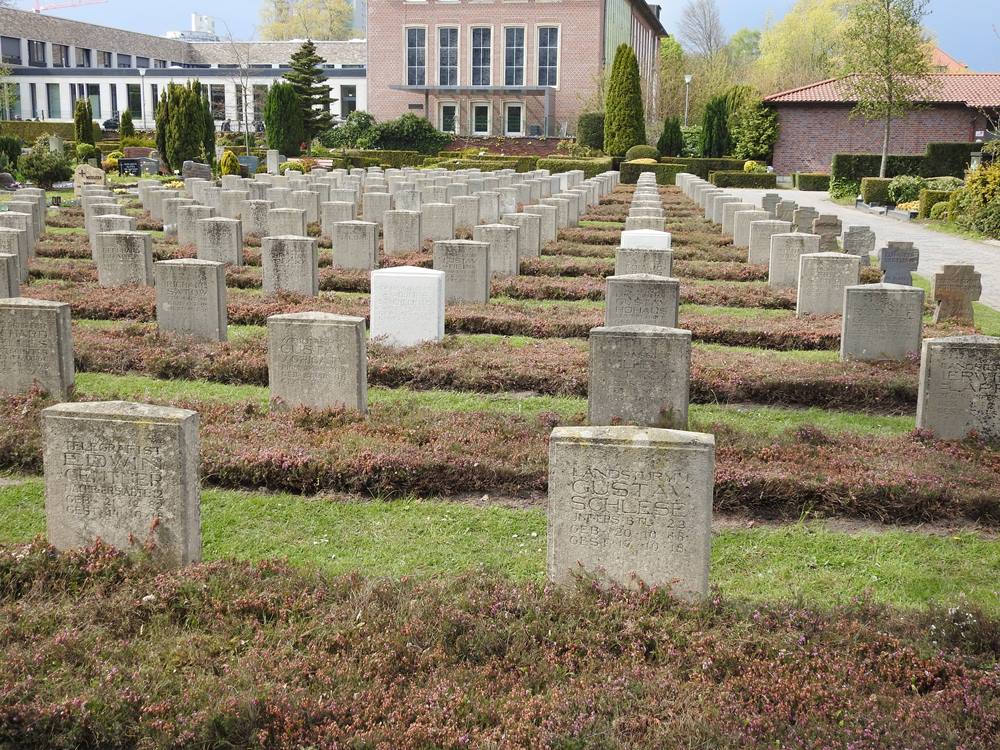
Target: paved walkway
[[936, 249]]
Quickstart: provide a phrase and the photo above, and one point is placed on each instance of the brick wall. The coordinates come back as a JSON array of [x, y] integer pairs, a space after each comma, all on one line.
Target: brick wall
[[810, 134], [580, 55]]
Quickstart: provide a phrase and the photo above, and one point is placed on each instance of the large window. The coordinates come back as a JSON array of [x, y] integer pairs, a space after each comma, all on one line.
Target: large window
[[159, 63], [482, 57], [82, 57], [449, 118], [33, 91], [94, 95], [348, 100], [60, 56], [36, 53], [142, 62], [448, 56], [513, 56], [259, 99], [52, 95], [11, 50], [124, 61], [114, 99], [217, 97], [134, 95], [548, 56], [416, 57], [10, 101], [480, 119], [104, 59]]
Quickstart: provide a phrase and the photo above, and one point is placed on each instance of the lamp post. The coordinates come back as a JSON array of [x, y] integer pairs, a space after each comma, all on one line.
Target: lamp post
[[142, 95], [687, 96]]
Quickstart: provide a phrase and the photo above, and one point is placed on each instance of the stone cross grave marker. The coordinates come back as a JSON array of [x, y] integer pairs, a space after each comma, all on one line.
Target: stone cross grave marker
[[860, 241], [956, 287], [898, 260], [828, 227]]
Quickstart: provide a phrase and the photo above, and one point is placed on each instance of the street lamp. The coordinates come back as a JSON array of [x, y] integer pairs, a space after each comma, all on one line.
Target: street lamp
[[142, 95], [687, 96]]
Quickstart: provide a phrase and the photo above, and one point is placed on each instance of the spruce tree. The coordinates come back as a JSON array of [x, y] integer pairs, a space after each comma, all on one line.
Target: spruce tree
[[160, 118], [309, 81], [207, 121], [83, 125], [624, 121], [715, 138], [671, 142], [185, 126], [283, 119], [125, 127]]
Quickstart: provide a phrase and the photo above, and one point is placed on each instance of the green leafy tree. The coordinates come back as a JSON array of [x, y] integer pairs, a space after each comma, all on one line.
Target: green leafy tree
[[755, 132], [671, 142], [624, 120], [283, 119], [671, 99], [298, 19], [354, 130], [83, 122], [309, 81], [715, 128], [184, 128], [886, 61], [744, 48], [44, 167], [126, 128]]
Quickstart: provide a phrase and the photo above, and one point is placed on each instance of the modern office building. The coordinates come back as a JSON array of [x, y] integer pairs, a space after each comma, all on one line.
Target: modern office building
[[503, 67], [55, 61]]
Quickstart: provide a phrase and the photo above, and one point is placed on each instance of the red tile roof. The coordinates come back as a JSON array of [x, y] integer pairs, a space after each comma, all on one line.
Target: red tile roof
[[970, 89]]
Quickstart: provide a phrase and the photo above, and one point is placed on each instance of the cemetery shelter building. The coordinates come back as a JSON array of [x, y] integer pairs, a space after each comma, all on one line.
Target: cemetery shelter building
[[54, 62], [503, 67]]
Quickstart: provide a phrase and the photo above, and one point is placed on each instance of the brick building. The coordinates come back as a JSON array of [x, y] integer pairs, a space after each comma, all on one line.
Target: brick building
[[814, 121], [502, 67]]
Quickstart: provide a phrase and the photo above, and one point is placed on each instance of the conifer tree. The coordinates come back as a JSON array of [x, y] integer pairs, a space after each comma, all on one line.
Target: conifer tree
[[309, 81], [283, 119], [126, 128], [83, 122], [185, 126], [624, 121], [160, 119], [671, 141]]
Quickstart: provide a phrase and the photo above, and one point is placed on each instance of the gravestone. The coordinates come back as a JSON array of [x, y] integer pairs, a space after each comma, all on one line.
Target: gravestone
[[170, 207], [959, 387], [769, 202], [783, 263], [548, 223], [956, 287], [803, 219], [632, 506], [785, 211], [466, 266], [334, 212], [10, 275], [286, 221], [15, 242], [407, 305], [502, 239], [645, 222], [881, 322], [401, 232], [36, 346], [355, 244], [317, 360], [729, 211], [860, 241], [639, 374], [828, 227], [187, 222], [123, 473], [250, 163], [220, 240], [231, 201], [898, 260], [489, 206], [822, 280], [741, 225], [645, 239], [528, 233], [291, 264], [124, 258], [466, 212], [84, 174], [196, 169], [437, 222], [374, 206], [191, 298], [308, 201], [56, 145], [279, 196], [273, 159], [641, 299], [633, 260], [253, 217]]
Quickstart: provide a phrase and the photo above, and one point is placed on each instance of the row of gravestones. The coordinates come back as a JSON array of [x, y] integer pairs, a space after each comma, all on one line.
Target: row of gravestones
[[21, 226]]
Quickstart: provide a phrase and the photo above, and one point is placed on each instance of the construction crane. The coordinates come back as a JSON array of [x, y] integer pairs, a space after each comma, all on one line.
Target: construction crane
[[69, 4]]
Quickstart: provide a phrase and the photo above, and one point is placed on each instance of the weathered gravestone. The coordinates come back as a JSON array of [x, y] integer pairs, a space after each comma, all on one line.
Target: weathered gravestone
[[308, 201], [407, 305], [36, 346], [729, 212], [187, 222], [632, 506], [860, 241], [253, 216], [629, 260], [437, 221], [334, 212], [548, 222], [639, 374], [803, 219], [959, 388], [645, 222], [467, 212], [355, 244], [760, 239], [770, 203], [898, 260], [286, 221], [881, 322], [123, 473], [528, 233], [124, 258], [785, 211], [191, 298], [783, 264], [84, 174], [15, 242], [220, 240], [10, 275], [502, 239], [195, 169], [828, 227], [466, 266], [291, 264], [401, 232], [741, 225], [822, 280], [641, 299], [956, 287], [317, 360]]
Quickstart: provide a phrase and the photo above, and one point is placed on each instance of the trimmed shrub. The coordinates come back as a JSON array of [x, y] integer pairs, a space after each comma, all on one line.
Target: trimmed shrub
[[734, 179], [948, 159], [812, 181], [665, 173], [393, 157], [591, 167], [715, 139], [986, 220], [408, 131], [671, 141], [875, 190], [283, 119], [642, 151], [126, 128], [10, 147], [939, 211], [350, 132], [43, 167], [590, 130], [841, 188], [83, 121], [703, 166], [930, 198], [85, 151], [624, 121], [905, 188], [229, 164], [754, 131], [692, 141], [185, 126], [28, 131]]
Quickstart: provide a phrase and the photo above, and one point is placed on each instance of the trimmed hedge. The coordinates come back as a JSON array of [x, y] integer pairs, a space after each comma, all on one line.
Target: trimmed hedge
[[665, 173], [938, 160], [703, 167], [928, 199], [741, 179], [875, 190], [28, 130], [484, 164], [812, 181], [591, 166], [395, 159], [642, 151]]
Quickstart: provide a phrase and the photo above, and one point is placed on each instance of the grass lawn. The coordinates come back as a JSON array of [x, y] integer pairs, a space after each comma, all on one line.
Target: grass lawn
[[804, 562]]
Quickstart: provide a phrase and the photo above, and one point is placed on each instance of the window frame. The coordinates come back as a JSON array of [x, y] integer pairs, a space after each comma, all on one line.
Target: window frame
[[86, 54], [134, 89], [35, 62], [458, 115], [406, 55], [538, 53], [122, 56], [472, 118], [218, 112], [56, 112], [524, 54], [7, 59], [62, 60], [472, 56], [506, 106], [458, 53]]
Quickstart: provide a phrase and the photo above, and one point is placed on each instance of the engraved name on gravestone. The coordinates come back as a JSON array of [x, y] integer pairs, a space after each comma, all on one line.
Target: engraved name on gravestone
[[822, 280], [641, 299], [466, 266], [36, 346], [123, 473], [785, 211], [803, 218], [860, 241], [959, 387], [770, 203], [317, 360], [956, 287], [632, 506], [898, 260], [828, 227], [191, 298], [124, 258], [291, 264], [881, 322]]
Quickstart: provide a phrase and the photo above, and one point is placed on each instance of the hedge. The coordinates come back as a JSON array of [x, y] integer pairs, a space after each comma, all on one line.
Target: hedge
[[484, 164], [812, 181], [665, 173], [703, 167], [29, 130], [591, 166], [928, 199], [875, 190], [938, 160], [739, 179], [395, 159], [590, 130]]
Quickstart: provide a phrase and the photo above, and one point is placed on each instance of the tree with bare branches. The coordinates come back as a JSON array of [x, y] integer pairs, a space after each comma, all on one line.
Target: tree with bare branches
[[701, 27]]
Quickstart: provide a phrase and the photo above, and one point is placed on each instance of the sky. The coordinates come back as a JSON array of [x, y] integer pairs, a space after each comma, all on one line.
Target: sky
[[966, 29]]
